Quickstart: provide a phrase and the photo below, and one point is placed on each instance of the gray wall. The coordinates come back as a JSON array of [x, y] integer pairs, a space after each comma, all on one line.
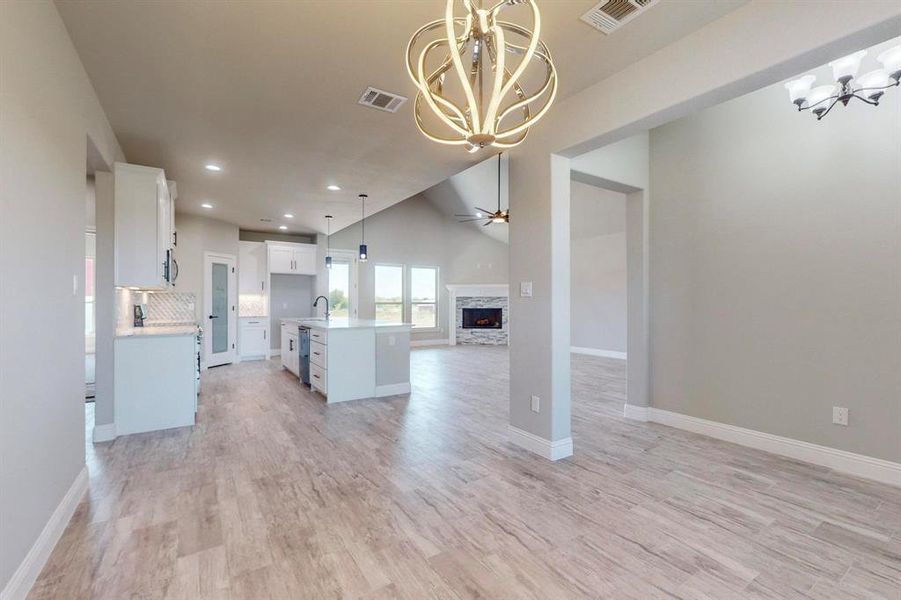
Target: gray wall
[[289, 296], [414, 232], [598, 258], [197, 235], [776, 269], [49, 111], [262, 236]]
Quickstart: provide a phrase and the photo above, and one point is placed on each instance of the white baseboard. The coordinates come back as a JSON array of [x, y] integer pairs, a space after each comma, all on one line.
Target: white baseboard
[[394, 389], [274, 353], [596, 352], [842, 461], [540, 446], [636, 413], [418, 343], [104, 433], [24, 577]]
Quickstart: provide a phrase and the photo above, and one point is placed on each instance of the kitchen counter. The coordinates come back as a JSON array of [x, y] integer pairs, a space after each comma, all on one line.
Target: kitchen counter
[[157, 331], [349, 359], [348, 324]]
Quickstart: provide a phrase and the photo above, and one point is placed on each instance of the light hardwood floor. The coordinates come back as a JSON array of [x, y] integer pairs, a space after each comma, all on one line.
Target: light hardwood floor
[[276, 495]]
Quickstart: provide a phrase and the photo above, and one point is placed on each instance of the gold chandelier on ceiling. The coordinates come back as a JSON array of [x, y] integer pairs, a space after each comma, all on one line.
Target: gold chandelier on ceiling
[[469, 77]]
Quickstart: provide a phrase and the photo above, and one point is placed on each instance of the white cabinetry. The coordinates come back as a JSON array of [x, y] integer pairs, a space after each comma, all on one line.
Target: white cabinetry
[[143, 225], [252, 274], [290, 352], [253, 337], [292, 259]]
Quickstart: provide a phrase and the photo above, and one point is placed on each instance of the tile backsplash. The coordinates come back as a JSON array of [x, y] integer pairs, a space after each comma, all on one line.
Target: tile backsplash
[[163, 308], [170, 308]]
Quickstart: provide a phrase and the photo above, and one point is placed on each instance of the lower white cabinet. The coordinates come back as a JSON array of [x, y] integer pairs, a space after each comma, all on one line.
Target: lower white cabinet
[[290, 353], [253, 337], [155, 384]]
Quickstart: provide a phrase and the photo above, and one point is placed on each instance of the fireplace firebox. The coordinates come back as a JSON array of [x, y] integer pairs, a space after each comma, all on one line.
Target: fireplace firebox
[[483, 318]]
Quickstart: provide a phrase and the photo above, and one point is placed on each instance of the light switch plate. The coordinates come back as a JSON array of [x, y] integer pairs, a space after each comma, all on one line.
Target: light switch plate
[[525, 289], [536, 404], [840, 416]]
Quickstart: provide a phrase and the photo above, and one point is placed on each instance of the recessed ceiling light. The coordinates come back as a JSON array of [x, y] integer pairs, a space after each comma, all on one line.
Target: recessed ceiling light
[[289, 216], [283, 227], [206, 205], [334, 188], [212, 167]]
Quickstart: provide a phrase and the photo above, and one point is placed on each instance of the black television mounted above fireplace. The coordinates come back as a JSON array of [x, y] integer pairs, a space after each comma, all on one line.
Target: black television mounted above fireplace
[[483, 318]]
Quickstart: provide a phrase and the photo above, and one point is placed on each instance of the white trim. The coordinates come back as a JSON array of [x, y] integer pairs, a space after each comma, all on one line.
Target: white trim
[[540, 446], [395, 389], [27, 573], [417, 343], [842, 461], [636, 413], [104, 433], [596, 352], [274, 353]]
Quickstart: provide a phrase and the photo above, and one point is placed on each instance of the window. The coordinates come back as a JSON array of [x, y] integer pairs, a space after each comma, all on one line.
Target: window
[[89, 299], [424, 297], [339, 289], [389, 293]]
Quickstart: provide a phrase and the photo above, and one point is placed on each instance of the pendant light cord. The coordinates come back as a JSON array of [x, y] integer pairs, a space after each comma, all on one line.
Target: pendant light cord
[[498, 182]]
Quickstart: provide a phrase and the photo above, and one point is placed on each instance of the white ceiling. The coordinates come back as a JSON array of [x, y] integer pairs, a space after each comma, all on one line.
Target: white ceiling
[[269, 90]]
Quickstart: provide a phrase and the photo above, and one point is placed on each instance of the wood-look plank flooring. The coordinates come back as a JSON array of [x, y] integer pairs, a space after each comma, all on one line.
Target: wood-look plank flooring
[[273, 494]]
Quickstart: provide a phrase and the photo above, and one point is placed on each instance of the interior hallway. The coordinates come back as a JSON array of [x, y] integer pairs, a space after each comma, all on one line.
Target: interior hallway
[[422, 497]]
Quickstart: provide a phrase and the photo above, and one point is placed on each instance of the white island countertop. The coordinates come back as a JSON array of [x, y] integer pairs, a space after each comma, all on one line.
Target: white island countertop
[[156, 330], [348, 324]]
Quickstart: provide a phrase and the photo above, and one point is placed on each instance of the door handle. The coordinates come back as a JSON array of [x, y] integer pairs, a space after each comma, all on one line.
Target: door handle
[[214, 316]]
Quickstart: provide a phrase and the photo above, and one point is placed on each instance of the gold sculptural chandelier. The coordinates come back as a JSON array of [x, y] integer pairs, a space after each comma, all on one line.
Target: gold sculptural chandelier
[[483, 81]]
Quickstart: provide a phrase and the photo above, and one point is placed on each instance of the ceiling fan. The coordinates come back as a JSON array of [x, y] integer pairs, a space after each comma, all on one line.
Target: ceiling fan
[[498, 216]]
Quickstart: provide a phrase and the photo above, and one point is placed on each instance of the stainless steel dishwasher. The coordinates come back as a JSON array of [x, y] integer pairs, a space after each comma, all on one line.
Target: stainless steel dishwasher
[[303, 354]]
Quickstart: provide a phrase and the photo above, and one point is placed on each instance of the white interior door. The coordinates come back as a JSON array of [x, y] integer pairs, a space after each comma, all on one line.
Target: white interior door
[[342, 284], [220, 298]]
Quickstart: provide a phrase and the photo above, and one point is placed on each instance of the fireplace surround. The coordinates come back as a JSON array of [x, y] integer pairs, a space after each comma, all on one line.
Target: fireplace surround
[[486, 320]]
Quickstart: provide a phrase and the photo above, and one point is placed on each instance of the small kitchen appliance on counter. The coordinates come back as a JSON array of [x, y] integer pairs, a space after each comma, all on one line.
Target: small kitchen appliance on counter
[[140, 311]]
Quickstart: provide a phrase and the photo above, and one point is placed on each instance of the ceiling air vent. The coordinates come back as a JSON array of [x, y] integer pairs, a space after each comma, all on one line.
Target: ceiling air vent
[[609, 15], [381, 100]]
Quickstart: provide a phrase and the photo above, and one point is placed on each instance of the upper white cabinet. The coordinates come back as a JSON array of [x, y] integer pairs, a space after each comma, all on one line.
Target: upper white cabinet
[[292, 259], [252, 274], [144, 228]]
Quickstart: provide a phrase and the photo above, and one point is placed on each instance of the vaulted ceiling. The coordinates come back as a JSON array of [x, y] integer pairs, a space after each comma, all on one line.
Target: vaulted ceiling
[[269, 90]]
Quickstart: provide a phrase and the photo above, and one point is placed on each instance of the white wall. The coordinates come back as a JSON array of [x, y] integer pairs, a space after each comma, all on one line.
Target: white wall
[[47, 112], [414, 232], [598, 259], [776, 269]]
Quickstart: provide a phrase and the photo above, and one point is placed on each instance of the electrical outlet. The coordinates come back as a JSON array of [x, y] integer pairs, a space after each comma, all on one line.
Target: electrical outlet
[[392, 340], [536, 404], [840, 416], [525, 289]]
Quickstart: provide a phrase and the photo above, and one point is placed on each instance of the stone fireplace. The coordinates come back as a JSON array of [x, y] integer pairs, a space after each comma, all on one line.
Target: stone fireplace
[[479, 315]]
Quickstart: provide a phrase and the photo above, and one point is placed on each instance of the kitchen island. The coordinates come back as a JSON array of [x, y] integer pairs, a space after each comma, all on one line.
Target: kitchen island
[[351, 359]]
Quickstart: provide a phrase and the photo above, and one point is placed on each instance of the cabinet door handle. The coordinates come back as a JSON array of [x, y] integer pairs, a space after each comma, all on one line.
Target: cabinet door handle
[[316, 353], [315, 375], [290, 345], [264, 334]]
